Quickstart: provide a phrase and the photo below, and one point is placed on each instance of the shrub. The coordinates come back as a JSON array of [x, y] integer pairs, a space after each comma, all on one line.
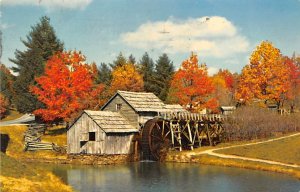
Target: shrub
[[248, 123]]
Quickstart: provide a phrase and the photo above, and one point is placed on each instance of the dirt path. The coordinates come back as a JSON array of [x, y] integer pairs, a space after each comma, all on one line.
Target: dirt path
[[213, 153], [19, 121]]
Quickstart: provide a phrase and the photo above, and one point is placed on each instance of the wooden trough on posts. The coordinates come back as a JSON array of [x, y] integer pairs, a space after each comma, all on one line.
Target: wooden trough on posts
[[179, 131]]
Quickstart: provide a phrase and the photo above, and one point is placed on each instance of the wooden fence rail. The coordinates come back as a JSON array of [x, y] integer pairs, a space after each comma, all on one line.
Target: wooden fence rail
[[32, 138], [34, 146]]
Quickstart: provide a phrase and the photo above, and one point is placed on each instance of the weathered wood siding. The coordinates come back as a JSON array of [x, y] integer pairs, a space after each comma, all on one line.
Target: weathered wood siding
[[145, 116], [117, 143], [79, 132], [126, 110]]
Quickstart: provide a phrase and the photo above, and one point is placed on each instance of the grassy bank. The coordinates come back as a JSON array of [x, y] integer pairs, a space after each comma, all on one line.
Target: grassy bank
[[212, 160], [17, 175], [22, 177], [16, 144], [285, 150]]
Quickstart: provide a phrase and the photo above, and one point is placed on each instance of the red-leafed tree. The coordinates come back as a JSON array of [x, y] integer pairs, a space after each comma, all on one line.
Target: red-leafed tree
[[67, 87], [293, 94], [191, 86]]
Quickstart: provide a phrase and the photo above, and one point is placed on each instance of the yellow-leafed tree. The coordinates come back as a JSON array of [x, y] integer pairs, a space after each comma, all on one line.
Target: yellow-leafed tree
[[266, 78], [126, 78]]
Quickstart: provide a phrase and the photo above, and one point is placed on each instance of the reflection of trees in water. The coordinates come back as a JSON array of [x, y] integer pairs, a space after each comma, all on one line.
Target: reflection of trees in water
[[154, 176]]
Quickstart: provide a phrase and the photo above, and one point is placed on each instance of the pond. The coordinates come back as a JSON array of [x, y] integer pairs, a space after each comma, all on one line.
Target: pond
[[164, 177]]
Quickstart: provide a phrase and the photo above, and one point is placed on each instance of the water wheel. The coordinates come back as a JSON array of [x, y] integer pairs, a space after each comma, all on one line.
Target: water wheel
[[156, 139]]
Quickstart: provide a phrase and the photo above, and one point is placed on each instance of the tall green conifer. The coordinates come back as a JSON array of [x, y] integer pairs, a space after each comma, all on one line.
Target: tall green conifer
[[41, 44], [164, 71], [146, 68]]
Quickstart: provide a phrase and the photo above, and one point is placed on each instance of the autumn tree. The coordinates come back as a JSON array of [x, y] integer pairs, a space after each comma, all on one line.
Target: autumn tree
[[224, 83], [126, 78], [4, 105], [293, 94], [67, 87], [41, 44], [265, 77], [164, 70], [191, 87], [221, 92], [296, 59]]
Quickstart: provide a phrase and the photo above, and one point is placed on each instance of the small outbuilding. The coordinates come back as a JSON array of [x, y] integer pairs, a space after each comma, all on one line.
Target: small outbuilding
[[226, 110], [101, 132]]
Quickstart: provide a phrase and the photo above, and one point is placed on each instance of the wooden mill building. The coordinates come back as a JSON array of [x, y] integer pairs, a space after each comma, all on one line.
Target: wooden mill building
[[138, 107], [111, 130], [101, 132]]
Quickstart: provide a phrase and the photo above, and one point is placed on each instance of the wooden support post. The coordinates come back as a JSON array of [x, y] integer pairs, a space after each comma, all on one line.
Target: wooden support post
[[172, 133], [190, 135], [163, 129], [207, 133]]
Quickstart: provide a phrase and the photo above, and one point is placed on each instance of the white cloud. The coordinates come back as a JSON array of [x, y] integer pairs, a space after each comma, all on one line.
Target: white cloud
[[50, 4], [215, 36], [4, 26]]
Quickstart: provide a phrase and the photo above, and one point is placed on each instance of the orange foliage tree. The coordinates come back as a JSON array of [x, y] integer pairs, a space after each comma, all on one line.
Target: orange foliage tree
[[191, 86], [67, 87], [126, 78], [221, 92], [228, 78], [266, 77], [224, 83]]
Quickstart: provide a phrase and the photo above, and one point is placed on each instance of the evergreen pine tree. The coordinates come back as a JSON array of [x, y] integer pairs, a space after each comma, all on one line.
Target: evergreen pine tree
[[120, 61], [6, 82], [104, 74], [41, 44], [164, 71], [131, 59], [146, 68]]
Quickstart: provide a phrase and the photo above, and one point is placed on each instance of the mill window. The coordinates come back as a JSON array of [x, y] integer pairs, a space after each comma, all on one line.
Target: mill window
[[118, 107], [92, 136]]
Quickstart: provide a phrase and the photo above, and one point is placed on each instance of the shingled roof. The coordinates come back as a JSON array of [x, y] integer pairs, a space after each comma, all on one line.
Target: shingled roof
[[174, 107], [141, 101], [111, 122]]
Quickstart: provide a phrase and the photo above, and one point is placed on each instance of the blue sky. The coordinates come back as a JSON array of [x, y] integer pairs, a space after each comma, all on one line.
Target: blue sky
[[103, 28]]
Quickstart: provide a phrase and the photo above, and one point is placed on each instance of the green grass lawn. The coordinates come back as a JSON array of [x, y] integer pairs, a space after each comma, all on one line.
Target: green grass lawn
[[284, 150]]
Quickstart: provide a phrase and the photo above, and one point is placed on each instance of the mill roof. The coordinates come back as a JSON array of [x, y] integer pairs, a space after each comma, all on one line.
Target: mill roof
[[111, 122], [174, 107], [140, 101]]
